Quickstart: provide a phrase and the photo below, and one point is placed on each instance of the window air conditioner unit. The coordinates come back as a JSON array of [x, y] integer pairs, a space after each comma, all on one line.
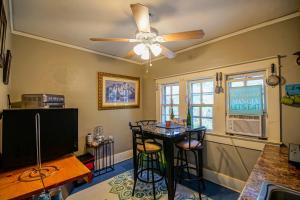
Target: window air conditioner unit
[[245, 125]]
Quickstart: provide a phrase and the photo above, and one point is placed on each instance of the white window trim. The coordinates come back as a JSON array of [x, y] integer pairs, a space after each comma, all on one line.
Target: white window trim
[[273, 123]]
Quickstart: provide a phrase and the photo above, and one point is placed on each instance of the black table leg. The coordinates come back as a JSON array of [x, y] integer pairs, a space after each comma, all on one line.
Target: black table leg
[[200, 163], [169, 155]]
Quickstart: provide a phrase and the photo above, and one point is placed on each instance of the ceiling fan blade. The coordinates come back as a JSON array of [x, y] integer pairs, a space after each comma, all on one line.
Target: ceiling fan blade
[[187, 35], [130, 54], [167, 52], [112, 39], [141, 17]]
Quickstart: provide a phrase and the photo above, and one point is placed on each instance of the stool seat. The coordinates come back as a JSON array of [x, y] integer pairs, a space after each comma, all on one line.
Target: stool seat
[[149, 147], [190, 145]]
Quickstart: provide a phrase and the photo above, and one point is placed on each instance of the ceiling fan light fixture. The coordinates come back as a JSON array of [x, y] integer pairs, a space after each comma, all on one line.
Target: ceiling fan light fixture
[[139, 49], [146, 54], [155, 49]]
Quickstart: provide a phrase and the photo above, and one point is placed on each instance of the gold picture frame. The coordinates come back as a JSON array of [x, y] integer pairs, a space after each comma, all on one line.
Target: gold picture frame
[[118, 91]]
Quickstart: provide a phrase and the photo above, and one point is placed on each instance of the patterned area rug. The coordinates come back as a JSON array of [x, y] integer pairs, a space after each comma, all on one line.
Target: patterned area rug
[[120, 187]]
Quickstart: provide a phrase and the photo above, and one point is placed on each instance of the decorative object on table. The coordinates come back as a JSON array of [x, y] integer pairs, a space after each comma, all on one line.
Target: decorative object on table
[[98, 134], [217, 88], [89, 139], [118, 91], [111, 138], [292, 97], [168, 124], [3, 25], [221, 89], [172, 111], [189, 117], [298, 59], [6, 67], [273, 79]]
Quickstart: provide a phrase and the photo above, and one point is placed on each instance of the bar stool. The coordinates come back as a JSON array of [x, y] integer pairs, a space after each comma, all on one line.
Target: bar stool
[[149, 152], [195, 146]]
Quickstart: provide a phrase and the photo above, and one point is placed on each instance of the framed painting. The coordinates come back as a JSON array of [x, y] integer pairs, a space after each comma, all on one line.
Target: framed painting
[[118, 91]]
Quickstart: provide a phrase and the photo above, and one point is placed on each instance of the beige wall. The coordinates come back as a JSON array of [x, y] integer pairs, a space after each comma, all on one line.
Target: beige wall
[[4, 88], [41, 67], [281, 38]]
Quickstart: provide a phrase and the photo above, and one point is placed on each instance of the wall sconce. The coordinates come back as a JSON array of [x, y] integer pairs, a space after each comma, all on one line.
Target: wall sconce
[[298, 59]]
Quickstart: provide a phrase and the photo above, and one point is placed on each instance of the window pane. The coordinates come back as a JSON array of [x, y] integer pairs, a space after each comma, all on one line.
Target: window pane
[[206, 112], [208, 86], [207, 123], [196, 122], [175, 89], [196, 87], [167, 110], [207, 99], [168, 90], [163, 118], [237, 84], [168, 118], [175, 99], [163, 110], [196, 111], [196, 99], [175, 110], [255, 82], [168, 100]]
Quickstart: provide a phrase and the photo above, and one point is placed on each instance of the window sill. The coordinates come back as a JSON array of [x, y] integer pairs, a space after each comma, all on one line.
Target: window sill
[[239, 141]]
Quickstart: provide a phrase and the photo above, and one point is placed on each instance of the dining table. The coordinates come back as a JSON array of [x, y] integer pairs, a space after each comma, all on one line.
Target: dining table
[[169, 136]]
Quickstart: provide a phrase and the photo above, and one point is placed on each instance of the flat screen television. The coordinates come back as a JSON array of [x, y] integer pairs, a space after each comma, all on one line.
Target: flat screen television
[[59, 135]]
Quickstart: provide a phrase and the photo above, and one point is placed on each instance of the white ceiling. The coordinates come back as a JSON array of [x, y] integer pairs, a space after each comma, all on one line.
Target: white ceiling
[[75, 21]]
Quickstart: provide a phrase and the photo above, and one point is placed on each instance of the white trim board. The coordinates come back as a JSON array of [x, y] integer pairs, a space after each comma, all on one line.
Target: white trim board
[[251, 28], [223, 180], [119, 157]]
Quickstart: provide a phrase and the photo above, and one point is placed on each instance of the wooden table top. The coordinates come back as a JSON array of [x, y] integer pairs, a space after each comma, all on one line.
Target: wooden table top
[[70, 169]]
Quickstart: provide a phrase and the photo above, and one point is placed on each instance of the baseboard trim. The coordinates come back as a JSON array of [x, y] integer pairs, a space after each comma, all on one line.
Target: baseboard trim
[[125, 155], [223, 180], [210, 175]]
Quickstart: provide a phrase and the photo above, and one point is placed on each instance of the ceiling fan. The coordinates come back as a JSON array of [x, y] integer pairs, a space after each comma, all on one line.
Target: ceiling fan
[[149, 42]]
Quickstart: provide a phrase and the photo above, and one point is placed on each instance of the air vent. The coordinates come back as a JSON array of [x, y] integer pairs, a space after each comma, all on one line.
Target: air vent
[[245, 125]]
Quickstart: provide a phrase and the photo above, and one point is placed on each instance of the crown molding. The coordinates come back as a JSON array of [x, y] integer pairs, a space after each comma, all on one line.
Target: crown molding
[[251, 28]]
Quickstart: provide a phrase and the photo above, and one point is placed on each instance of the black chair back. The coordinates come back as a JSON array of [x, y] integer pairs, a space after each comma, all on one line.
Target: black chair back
[[138, 135], [199, 132]]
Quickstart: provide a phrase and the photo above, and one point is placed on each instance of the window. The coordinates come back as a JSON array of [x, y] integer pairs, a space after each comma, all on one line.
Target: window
[[170, 99], [243, 80], [201, 94], [246, 104]]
